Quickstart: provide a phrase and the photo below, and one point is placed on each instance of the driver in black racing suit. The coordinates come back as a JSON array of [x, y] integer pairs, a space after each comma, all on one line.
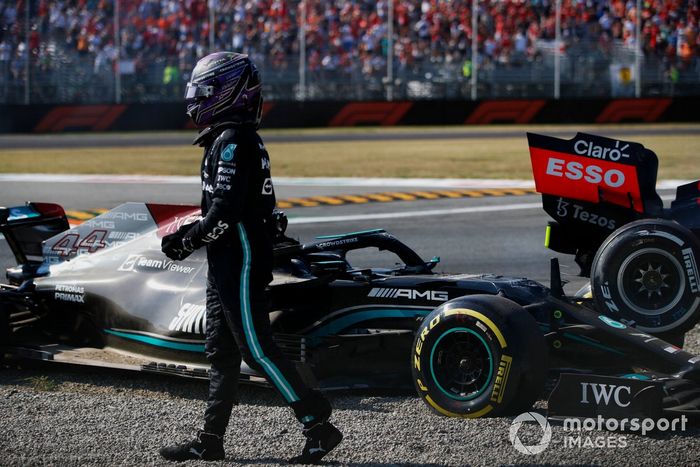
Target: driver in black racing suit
[[237, 199]]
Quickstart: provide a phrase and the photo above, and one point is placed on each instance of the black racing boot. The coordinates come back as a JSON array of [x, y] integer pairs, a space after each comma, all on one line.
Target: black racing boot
[[206, 447], [320, 440], [313, 412]]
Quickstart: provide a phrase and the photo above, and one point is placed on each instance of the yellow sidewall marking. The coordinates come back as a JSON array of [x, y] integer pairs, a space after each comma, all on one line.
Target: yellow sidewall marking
[[447, 413], [475, 314]]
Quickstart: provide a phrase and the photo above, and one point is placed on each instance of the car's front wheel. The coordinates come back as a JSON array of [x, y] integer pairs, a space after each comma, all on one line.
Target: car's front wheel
[[478, 356]]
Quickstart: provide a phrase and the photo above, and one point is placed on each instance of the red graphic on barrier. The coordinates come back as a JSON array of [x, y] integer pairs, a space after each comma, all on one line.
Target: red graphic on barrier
[[646, 110], [381, 113], [505, 111], [585, 178], [93, 117], [267, 106]]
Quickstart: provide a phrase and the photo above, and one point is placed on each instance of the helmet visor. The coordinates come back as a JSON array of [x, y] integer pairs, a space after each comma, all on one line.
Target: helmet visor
[[193, 91]]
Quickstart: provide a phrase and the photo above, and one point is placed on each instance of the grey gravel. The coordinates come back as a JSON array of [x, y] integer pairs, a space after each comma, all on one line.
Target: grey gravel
[[56, 417]]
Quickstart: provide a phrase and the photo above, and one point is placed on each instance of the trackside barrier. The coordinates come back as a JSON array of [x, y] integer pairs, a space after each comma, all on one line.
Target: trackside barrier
[[171, 116]]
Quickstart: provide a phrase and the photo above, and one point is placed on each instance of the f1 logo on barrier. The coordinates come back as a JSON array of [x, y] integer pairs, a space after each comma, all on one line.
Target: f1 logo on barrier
[[645, 110], [92, 117], [515, 111], [381, 113]]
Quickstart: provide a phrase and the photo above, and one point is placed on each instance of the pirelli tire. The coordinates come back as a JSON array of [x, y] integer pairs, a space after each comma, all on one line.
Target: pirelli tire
[[479, 356], [646, 274]]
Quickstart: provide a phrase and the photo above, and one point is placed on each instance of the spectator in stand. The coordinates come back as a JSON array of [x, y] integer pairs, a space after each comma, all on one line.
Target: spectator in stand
[[343, 37]]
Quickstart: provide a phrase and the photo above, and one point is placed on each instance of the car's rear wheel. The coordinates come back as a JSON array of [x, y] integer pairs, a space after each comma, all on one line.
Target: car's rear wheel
[[646, 274], [477, 356]]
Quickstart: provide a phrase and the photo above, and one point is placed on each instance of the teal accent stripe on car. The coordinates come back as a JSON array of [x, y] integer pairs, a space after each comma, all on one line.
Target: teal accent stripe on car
[[151, 340], [592, 343], [266, 364], [636, 376], [353, 318]]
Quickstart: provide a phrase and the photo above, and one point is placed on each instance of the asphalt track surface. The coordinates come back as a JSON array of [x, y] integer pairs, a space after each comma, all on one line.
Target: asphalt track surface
[[501, 234], [65, 418], [179, 138]]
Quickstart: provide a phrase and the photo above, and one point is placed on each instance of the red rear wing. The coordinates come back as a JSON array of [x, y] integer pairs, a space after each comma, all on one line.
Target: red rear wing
[[594, 169]]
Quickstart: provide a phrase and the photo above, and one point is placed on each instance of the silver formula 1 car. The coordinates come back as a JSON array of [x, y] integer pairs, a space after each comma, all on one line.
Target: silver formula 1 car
[[102, 294]]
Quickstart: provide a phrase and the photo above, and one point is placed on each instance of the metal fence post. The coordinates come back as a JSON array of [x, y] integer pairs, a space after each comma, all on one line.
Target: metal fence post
[[475, 48], [117, 58], [638, 52], [390, 53], [27, 51], [557, 51], [212, 26], [302, 52]]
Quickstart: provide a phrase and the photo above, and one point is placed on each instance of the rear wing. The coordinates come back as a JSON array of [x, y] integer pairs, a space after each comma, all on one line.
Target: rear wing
[[40, 236], [590, 186], [26, 227], [596, 170]]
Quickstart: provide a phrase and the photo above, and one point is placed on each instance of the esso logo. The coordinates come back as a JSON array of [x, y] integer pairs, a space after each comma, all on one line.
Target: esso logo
[[592, 173]]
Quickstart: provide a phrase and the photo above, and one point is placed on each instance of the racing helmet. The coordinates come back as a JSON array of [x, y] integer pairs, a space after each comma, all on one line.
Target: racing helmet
[[224, 87]]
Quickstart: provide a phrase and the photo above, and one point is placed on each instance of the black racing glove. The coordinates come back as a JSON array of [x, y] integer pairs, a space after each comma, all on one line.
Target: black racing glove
[[178, 246]]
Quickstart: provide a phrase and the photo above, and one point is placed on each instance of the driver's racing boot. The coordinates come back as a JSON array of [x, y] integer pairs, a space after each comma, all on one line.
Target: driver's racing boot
[[320, 440], [206, 447], [321, 436]]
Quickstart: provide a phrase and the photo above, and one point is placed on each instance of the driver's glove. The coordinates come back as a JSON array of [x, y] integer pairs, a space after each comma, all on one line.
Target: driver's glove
[[178, 246]]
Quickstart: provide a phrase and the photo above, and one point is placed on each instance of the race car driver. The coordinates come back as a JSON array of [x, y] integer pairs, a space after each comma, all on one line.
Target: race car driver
[[224, 98]]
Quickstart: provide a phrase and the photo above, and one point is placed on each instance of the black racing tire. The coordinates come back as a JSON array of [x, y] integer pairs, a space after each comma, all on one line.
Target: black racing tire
[[645, 274], [479, 356]]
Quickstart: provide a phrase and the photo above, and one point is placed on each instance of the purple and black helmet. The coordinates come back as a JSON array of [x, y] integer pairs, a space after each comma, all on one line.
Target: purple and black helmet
[[224, 87]]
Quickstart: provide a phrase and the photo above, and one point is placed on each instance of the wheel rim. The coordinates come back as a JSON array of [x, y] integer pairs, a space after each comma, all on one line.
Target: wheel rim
[[461, 364], [651, 282]]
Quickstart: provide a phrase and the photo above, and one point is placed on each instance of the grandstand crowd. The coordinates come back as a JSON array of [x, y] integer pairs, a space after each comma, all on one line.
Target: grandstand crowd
[[342, 36]]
